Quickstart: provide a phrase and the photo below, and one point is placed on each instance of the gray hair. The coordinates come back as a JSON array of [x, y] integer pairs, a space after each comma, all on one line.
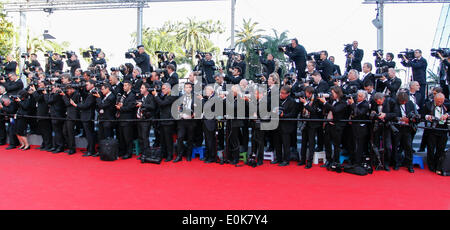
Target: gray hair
[[412, 82], [363, 92], [378, 96], [167, 85]]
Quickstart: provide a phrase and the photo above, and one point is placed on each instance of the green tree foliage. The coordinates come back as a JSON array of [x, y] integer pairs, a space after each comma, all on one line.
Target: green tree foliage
[[7, 34]]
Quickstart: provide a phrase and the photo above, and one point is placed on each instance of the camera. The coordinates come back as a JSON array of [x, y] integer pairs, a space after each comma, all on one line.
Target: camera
[[25, 55], [301, 94], [348, 48], [353, 96], [156, 87], [120, 68], [161, 54], [378, 53], [287, 46], [380, 75], [445, 52], [48, 54], [408, 53], [413, 117], [92, 52], [199, 54], [131, 51], [315, 55], [229, 52], [257, 49]]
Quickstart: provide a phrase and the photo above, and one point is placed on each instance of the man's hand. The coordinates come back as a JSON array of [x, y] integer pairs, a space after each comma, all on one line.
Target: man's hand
[[444, 117], [382, 116], [322, 99], [154, 92], [139, 104], [350, 101], [73, 103], [404, 119], [97, 95], [118, 106], [3, 81], [302, 100], [429, 118]]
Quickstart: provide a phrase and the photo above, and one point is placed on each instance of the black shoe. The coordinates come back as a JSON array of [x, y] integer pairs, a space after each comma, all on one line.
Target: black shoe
[[411, 169], [168, 159], [51, 150], [189, 158], [396, 167], [71, 152], [178, 159], [259, 163], [275, 162], [88, 154], [10, 147], [126, 156], [387, 168], [96, 155], [58, 151], [300, 163], [326, 165], [26, 148], [308, 165], [284, 163], [234, 162], [318, 149], [2, 143]]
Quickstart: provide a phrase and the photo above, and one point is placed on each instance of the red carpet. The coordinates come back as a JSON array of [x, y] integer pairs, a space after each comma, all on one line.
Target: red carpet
[[41, 180]]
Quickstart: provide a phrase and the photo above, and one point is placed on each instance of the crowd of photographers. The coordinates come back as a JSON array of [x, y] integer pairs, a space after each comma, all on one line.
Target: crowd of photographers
[[330, 109]]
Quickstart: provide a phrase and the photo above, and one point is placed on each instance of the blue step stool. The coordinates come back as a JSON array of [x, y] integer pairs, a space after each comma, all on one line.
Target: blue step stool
[[418, 160], [199, 151], [342, 158]]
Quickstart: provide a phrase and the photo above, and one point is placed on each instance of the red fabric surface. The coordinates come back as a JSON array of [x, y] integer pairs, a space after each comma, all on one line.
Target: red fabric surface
[[35, 179]]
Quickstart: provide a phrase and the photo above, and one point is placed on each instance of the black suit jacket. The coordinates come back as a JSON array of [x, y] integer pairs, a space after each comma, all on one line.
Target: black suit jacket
[[356, 62], [128, 109], [87, 108], [117, 89], [419, 69], [42, 106], [389, 108], [10, 67], [74, 65], [143, 62], [298, 55], [57, 106], [339, 111], [209, 71], [164, 102], [326, 69], [409, 108], [359, 112], [370, 77], [290, 110], [72, 111], [13, 87], [107, 107], [172, 80], [391, 84], [322, 87], [149, 107]]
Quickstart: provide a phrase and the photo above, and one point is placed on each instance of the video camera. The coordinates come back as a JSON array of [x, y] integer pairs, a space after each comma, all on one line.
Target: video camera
[[445, 52], [25, 55], [200, 55], [315, 55], [68, 54], [348, 48], [92, 52], [257, 49], [287, 46], [378, 54], [131, 51], [229, 52], [161, 54], [408, 53], [120, 68]]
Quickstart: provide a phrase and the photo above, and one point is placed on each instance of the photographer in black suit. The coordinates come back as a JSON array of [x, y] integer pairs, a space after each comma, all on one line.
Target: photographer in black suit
[[142, 60], [164, 101], [382, 111], [106, 111], [325, 66], [73, 63], [389, 85], [72, 114], [406, 117], [57, 111], [185, 124], [288, 109], [146, 109], [54, 63], [388, 62], [359, 111], [14, 85], [208, 67], [116, 85], [436, 112], [335, 109], [172, 79], [126, 108], [209, 124], [419, 69], [10, 66], [297, 54], [269, 63], [336, 68], [87, 115], [9, 107], [444, 74], [43, 125], [367, 74], [31, 65], [355, 58]]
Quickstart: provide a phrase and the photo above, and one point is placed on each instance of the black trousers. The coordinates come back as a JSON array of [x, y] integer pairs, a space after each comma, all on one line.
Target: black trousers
[[320, 137], [309, 134], [69, 134], [244, 136], [185, 129], [333, 134], [282, 145], [143, 135], [106, 130], [258, 143], [403, 139], [210, 143], [198, 133], [156, 129], [348, 143], [126, 138], [88, 127], [2, 130], [13, 141], [220, 135], [382, 139], [45, 130], [424, 141], [361, 138], [166, 137], [57, 127], [437, 140]]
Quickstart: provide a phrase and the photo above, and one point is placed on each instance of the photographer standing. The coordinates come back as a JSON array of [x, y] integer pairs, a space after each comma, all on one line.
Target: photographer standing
[[336, 68], [390, 85], [269, 63], [297, 54], [388, 62], [444, 74], [360, 131], [436, 112], [406, 115], [172, 79], [14, 85], [57, 111], [325, 66], [72, 115], [44, 125], [87, 115], [2, 117], [10, 66], [54, 63], [106, 111], [73, 63], [126, 108], [30, 66], [185, 124], [419, 68], [355, 57], [24, 106], [208, 66], [142, 60]]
